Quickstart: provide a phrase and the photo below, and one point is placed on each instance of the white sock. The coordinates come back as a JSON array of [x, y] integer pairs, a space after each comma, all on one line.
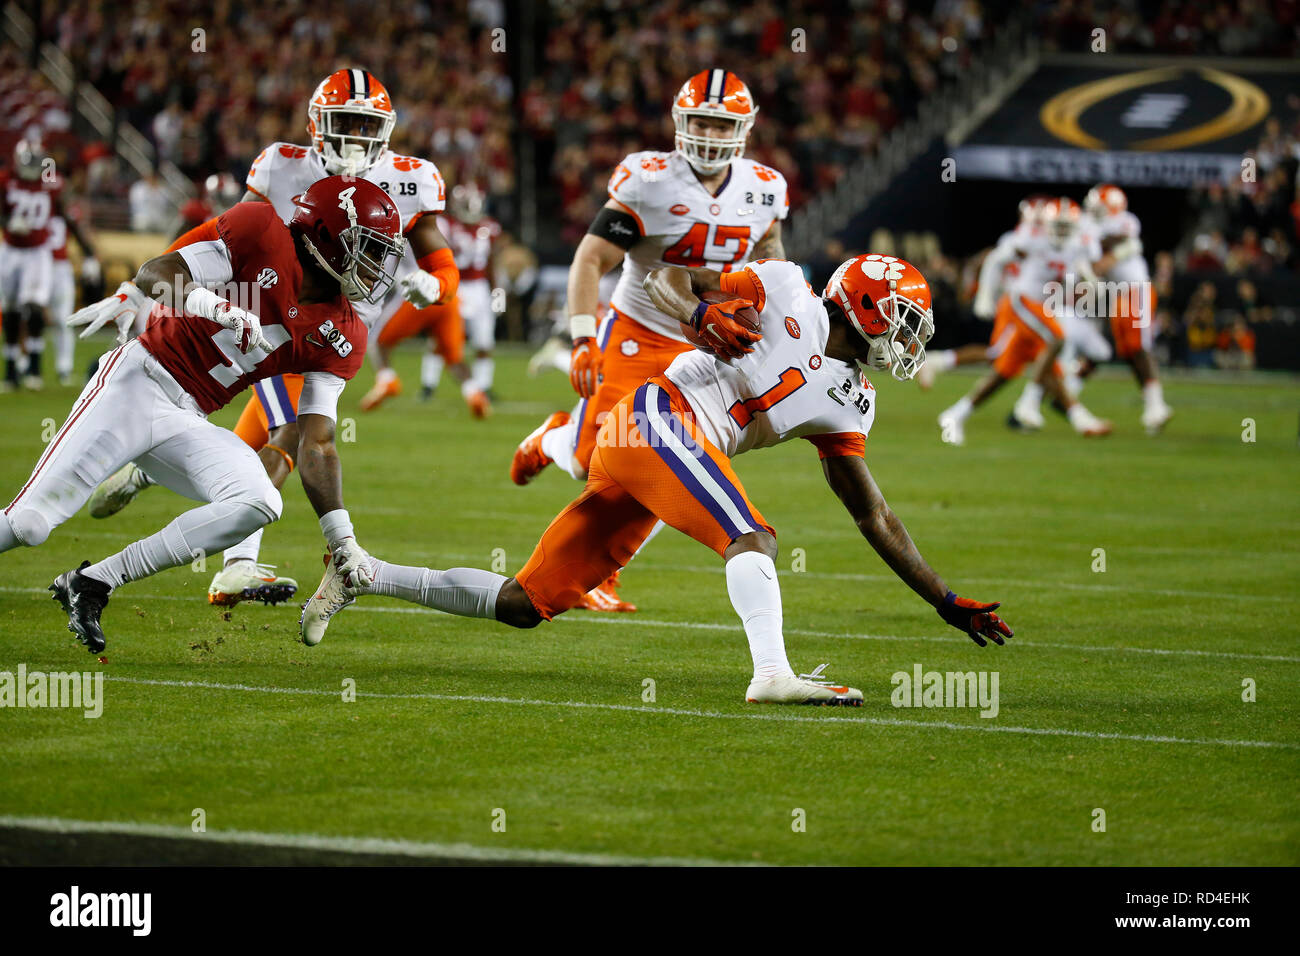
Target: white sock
[[64, 346], [756, 596], [557, 445], [385, 375], [194, 534], [431, 369], [468, 592], [483, 369], [961, 409], [246, 550], [1073, 384], [943, 361], [1032, 395], [1152, 394]]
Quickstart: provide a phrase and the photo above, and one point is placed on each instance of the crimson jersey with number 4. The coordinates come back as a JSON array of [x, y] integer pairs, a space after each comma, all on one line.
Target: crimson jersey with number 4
[[267, 279], [682, 224], [29, 205]]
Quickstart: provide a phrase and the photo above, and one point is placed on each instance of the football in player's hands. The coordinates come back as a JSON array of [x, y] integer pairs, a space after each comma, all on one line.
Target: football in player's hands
[[724, 325]]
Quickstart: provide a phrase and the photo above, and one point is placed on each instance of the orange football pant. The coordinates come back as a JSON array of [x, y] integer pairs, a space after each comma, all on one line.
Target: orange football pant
[[630, 354], [1134, 328], [650, 462], [254, 425], [1033, 329], [443, 323]]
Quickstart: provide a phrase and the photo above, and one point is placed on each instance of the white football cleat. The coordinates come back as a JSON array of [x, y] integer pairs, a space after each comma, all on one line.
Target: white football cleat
[[1028, 415], [952, 428], [804, 689], [246, 580], [1154, 417], [332, 596], [118, 490]]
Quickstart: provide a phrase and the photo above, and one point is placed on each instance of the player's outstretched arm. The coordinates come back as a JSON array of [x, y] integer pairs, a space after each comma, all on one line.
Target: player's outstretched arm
[[322, 479], [594, 257], [438, 277], [851, 480]]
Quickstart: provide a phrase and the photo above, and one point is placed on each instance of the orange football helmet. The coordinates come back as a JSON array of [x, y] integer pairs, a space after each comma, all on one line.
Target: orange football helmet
[[1105, 200], [1061, 218], [350, 119], [715, 94], [888, 301]]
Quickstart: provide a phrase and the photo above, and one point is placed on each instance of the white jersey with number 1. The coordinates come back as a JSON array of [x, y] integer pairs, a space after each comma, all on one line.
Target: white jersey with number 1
[[788, 387]]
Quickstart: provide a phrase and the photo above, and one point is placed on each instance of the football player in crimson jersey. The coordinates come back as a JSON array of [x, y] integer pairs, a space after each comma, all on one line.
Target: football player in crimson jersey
[[283, 304], [703, 204], [32, 198], [665, 454], [350, 119]]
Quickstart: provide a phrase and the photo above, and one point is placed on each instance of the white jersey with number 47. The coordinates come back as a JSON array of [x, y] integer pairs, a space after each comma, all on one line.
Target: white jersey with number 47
[[682, 224], [787, 387]]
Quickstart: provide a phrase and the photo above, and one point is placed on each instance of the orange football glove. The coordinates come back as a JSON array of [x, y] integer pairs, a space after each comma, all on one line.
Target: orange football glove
[[976, 620], [584, 366], [717, 325]]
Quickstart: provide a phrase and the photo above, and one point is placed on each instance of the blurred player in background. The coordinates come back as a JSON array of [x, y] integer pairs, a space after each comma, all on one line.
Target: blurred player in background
[[471, 235], [1046, 264], [701, 204], [63, 290], [220, 191], [793, 369], [350, 120], [35, 227], [1132, 318]]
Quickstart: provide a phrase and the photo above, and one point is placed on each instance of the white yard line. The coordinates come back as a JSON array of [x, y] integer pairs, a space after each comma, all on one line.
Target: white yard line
[[637, 620], [785, 716], [354, 845]]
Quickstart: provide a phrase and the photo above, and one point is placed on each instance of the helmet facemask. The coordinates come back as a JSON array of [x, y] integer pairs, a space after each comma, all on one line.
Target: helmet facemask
[[352, 137], [901, 348], [370, 259], [711, 154]]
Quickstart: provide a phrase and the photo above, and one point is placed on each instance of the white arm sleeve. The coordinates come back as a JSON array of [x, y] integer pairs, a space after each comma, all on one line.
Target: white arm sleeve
[[209, 262], [320, 394]]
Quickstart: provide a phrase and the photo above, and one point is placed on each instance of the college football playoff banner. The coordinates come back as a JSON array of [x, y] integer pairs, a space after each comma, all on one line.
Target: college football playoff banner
[[1165, 123]]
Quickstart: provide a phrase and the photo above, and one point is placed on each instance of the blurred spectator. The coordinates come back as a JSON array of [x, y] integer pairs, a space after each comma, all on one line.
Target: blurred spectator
[[1235, 347], [151, 210], [1202, 336]]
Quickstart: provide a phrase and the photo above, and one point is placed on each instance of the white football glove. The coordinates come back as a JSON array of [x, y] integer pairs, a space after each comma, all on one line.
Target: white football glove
[[984, 305], [351, 561], [90, 270], [121, 307], [421, 289], [246, 326]]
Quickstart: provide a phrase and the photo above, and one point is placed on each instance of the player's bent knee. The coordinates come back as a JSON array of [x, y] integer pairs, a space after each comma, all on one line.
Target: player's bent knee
[[759, 541], [30, 527], [515, 608]]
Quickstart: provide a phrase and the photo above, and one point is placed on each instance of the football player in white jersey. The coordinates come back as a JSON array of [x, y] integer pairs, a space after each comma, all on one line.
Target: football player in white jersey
[[63, 291], [1031, 309], [997, 270], [703, 204], [1132, 317], [350, 120], [791, 369]]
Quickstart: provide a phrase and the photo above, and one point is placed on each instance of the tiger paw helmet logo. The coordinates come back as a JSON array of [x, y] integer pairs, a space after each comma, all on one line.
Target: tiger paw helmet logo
[[882, 267]]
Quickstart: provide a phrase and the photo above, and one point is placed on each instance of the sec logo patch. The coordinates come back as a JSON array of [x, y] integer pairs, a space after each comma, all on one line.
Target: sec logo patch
[[792, 327], [815, 362], [629, 347]]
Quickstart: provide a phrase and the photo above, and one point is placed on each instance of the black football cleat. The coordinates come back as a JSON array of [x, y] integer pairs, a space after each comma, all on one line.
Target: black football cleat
[[83, 599]]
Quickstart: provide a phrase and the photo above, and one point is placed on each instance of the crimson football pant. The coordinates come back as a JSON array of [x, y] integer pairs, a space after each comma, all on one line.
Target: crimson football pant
[[133, 410]]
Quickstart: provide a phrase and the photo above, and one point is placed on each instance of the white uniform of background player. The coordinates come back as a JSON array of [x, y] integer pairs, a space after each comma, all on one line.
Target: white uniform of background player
[[471, 243], [285, 170]]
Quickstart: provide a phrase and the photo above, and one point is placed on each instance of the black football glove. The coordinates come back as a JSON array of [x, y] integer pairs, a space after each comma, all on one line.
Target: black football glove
[[974, 619]]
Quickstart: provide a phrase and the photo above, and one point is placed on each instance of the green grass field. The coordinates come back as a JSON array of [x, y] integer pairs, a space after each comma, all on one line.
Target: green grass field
[[1122, 689]]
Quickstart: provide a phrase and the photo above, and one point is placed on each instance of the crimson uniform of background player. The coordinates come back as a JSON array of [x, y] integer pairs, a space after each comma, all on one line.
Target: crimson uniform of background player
[[149, 400]]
